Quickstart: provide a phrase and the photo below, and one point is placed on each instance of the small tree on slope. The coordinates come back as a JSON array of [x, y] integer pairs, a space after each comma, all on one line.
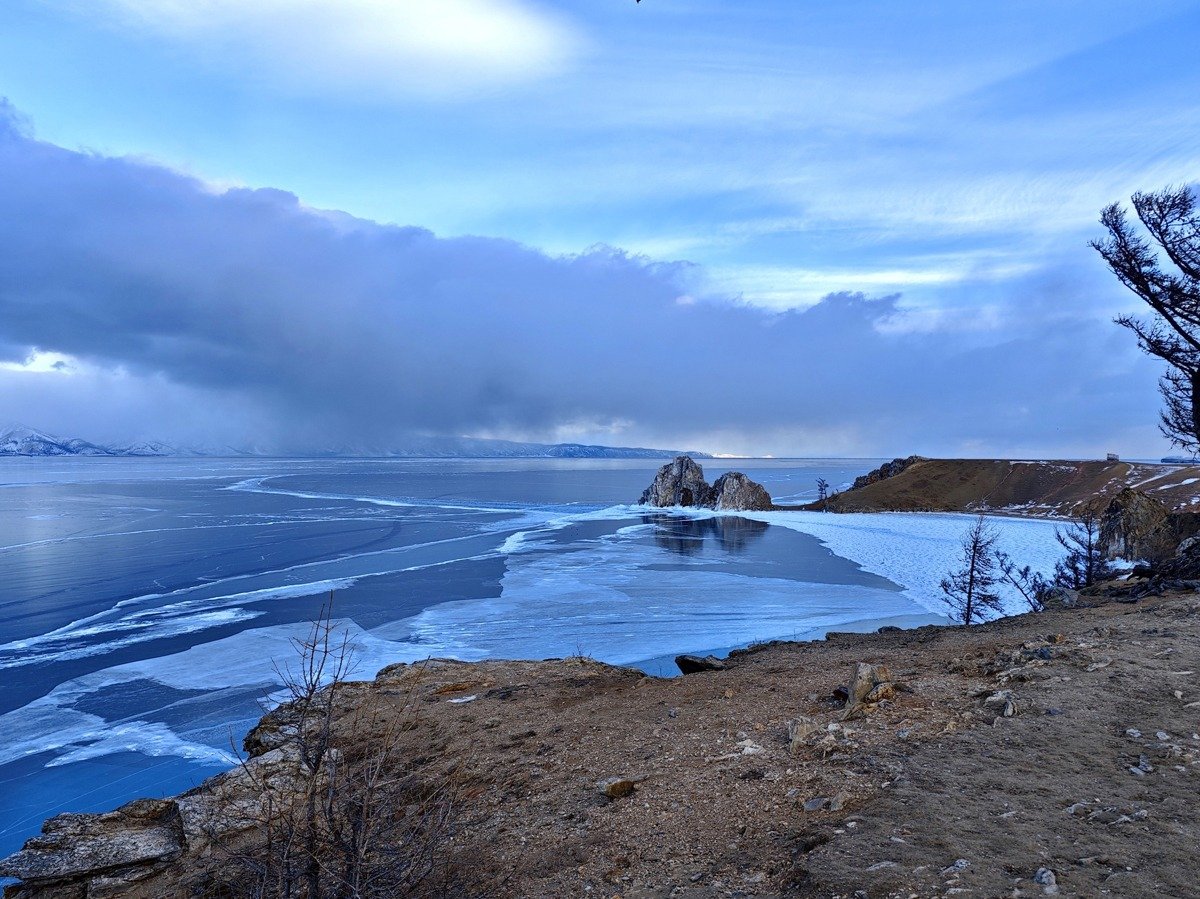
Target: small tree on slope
[[1085, 563], [970, 590]]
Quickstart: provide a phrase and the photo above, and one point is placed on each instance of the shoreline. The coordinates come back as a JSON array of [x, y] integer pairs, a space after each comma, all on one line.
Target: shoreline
[[1064, 705]]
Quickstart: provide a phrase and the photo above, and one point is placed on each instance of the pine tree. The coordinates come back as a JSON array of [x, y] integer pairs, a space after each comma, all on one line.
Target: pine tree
[[970, 590], [1085, 563], [1165, 272]]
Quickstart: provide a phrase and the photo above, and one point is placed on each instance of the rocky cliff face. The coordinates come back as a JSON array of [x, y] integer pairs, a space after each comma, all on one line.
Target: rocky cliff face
[[1136, 526], [681, 483]]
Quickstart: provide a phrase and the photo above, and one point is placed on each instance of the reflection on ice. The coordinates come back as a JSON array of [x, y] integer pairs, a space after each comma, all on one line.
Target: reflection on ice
[[686, 535]]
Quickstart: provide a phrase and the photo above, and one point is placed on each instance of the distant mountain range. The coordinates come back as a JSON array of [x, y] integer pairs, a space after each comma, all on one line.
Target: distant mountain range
[[18, 440]]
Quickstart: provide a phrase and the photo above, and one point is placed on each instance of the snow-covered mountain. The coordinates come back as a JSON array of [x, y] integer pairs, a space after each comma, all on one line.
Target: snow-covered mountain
[[19, 440]]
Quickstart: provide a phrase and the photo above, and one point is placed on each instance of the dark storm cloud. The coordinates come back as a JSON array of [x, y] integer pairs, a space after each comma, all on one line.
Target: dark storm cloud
[[320, 323]]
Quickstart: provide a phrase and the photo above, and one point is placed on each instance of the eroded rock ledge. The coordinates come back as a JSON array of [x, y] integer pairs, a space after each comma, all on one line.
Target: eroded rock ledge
[[681, 483]]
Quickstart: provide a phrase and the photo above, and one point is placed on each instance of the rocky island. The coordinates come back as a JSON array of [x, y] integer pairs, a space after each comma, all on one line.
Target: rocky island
[[681, 483]]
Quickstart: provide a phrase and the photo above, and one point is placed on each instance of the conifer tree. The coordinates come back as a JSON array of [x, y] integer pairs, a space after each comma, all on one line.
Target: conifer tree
[[970, 590]]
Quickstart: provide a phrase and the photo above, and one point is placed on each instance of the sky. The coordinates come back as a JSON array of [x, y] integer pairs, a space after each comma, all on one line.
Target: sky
[[756, 227]]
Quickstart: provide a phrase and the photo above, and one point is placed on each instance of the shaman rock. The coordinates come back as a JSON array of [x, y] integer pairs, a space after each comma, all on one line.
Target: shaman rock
[[681, 483], [737, 493], [678, 483]]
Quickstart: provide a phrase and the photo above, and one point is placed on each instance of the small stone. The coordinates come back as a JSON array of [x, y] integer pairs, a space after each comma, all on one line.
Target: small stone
[[1009, 709], [672, 713], [617, 787], [838, 802], [959, 865], [1046, 880], [1138, 771], [799, 730], [816, 803], [879, 866], [880, 693], [1133, 733], [1163, 735]]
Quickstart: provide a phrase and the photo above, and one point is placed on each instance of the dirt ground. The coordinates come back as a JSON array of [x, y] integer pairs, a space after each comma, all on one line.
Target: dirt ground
[[1048, 754]]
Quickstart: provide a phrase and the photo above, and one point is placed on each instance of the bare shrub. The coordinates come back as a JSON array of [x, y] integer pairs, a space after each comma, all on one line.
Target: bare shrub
[[346, 806]]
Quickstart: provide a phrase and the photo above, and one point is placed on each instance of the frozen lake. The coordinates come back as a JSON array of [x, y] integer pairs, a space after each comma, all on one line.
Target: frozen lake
[[144, 603]]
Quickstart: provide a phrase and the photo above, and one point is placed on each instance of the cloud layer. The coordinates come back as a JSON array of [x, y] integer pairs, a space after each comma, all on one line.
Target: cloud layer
[[295, 327], [386, 47]]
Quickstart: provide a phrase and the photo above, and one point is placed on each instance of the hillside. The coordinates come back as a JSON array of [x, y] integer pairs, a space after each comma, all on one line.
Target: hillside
[[1053, 488], [1041, 754]]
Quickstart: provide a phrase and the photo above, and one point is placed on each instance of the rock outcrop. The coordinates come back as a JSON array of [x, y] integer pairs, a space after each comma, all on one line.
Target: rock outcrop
[[100, 850], [1137, 526], [678, 483], [885, 471], [736, 492], [681, 483]]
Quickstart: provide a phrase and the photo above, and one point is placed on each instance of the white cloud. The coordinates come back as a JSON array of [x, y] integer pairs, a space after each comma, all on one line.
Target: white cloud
[[440, 47]]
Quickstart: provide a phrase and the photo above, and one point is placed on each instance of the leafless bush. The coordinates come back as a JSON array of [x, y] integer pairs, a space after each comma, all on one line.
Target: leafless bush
[[344, 807]]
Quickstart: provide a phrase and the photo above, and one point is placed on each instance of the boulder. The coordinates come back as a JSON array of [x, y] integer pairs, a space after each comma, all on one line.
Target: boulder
[[690, 664], [1060, 598], [737, 493], [678, 483], [868, 685]]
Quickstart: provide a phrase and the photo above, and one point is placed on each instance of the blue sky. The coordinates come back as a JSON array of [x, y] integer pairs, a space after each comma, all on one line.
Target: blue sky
[[946, 160]]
